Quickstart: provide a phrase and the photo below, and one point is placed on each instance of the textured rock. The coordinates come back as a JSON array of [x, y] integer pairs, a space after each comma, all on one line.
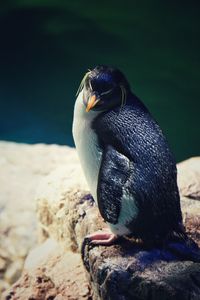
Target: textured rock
[[67, 214], [191, 217], [50, 273], [189, 178], [70, 218], [22, 167], [123, 271], [128, 272], [189, 187]]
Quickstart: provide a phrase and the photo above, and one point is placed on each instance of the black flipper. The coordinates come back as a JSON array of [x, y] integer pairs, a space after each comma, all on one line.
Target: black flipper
[[114, 173]]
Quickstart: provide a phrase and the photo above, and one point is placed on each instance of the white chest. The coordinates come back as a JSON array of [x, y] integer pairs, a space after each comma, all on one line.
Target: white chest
[[86, 142]]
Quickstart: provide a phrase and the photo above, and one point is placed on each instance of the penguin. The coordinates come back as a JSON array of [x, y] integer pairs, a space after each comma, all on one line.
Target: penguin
[[126, 159]]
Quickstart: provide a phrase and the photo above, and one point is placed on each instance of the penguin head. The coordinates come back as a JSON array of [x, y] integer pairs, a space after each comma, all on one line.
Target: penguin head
[[104, 88]]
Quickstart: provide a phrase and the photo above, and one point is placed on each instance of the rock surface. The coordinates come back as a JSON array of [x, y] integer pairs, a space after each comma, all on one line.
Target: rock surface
[[191, 218], [122, 271], [60, 270], [127, 271], [71, 216], [51, 273], [189, 178], [66, 214], [21, 169]]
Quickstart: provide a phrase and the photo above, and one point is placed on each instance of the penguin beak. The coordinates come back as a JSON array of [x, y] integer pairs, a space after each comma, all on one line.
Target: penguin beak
[[92, 102]]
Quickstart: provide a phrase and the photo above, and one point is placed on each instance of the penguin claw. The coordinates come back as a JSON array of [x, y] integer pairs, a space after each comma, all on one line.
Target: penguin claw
[[102, 237]]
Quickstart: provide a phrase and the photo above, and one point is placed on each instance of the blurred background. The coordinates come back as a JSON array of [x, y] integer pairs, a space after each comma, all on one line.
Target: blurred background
[[46, 46]]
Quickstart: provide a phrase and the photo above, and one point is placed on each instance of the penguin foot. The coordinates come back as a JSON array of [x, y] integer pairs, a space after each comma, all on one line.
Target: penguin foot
[[102, 237]]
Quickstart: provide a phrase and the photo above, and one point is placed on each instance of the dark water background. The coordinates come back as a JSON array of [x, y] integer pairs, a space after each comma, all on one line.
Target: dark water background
[[47, 46]]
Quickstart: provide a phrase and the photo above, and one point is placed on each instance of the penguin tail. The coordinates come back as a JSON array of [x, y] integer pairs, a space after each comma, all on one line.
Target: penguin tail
[[181, 245]]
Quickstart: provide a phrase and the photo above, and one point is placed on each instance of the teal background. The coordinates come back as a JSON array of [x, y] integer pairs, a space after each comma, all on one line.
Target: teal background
[[47, 46]]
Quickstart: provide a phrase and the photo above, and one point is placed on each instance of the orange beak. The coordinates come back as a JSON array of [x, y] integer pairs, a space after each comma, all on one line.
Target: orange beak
[[92, 102]]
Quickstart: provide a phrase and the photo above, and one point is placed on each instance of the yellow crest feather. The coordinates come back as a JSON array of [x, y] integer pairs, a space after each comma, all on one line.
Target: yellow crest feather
[[82, 82]]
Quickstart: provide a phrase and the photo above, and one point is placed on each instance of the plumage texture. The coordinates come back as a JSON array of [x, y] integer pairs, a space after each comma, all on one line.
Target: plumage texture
[[142, 164]]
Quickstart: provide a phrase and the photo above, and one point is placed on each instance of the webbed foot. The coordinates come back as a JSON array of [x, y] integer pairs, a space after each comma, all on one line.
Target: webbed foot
[[102, 237]]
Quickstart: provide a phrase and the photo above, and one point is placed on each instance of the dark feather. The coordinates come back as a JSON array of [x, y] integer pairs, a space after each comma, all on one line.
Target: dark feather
[[113, 175], [133, 133]]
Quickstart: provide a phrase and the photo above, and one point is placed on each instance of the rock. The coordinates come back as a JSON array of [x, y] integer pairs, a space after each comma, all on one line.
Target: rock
[[191, 218], [189, 178], [107, 267], [66, 214], [40, 253], [67, 219], [55, 274], [2, 265], [127, 271], [22, 167], [123, 271], [71, 216], [14, 270], [4, 286], [189, 188]]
